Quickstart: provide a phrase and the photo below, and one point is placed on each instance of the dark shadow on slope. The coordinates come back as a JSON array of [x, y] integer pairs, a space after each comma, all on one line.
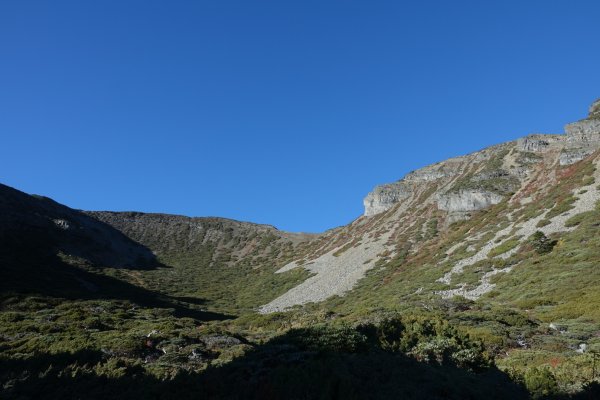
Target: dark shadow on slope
[[280, 369], [190, 300], [591, 391], [277, 375], [50, 276], [336, 366], [38, 226], [38, 236]]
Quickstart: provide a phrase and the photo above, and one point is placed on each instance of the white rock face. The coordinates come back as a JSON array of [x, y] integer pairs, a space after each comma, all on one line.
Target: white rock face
[[384, 197], [585, 131], [538, 143], [571, 156], [467, 200], [426, 175], [583, 138]]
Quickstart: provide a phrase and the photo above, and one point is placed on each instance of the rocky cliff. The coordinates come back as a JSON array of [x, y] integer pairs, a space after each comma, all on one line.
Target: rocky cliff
[[401, 217], [580, 139]]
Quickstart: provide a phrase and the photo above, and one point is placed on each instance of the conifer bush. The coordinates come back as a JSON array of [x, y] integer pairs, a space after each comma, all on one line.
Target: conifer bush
[[541, 243]]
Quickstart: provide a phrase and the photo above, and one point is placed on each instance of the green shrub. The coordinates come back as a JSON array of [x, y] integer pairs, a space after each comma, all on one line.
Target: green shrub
[[438, 349], [576, 219], [323, 338], [543, 222], [429, 340], [390, 333], [589, 180], [530, 303], [541, 243], [431, 228], [540, 382], [561, 207], [504, 247]]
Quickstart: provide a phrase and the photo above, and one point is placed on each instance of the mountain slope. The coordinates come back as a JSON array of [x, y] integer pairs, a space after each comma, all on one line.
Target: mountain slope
[[479, 262], [57, 228], [227, 263], [423, 207], [41, 241]]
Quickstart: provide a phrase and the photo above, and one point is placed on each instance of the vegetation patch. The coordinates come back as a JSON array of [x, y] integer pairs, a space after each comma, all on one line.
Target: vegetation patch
[[577, 219], [541, 243], [504, 247], [543, 222]]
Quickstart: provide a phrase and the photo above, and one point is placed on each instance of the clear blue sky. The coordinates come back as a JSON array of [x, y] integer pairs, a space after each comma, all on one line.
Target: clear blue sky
[[279, 112]]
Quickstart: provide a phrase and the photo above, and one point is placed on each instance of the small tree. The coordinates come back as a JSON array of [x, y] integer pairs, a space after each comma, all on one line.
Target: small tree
[[540, 382], [541, 243]]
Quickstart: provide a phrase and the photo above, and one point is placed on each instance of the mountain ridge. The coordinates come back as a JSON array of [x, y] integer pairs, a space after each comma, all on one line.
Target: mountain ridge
[[579, 140], [476, 262], [338, 258], [454, 189]]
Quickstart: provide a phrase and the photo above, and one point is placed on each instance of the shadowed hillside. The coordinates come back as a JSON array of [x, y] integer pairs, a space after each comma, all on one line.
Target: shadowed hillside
[[227, 262], [475, 277]]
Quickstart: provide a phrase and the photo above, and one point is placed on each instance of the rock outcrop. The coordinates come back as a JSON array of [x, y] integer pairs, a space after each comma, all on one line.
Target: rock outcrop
[[467, 200], [413, 209], [384, 197], [538, 143], [433, 172], [581, 139]]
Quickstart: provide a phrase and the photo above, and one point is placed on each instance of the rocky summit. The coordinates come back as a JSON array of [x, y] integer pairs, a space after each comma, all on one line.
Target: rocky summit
[[475, 277]]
